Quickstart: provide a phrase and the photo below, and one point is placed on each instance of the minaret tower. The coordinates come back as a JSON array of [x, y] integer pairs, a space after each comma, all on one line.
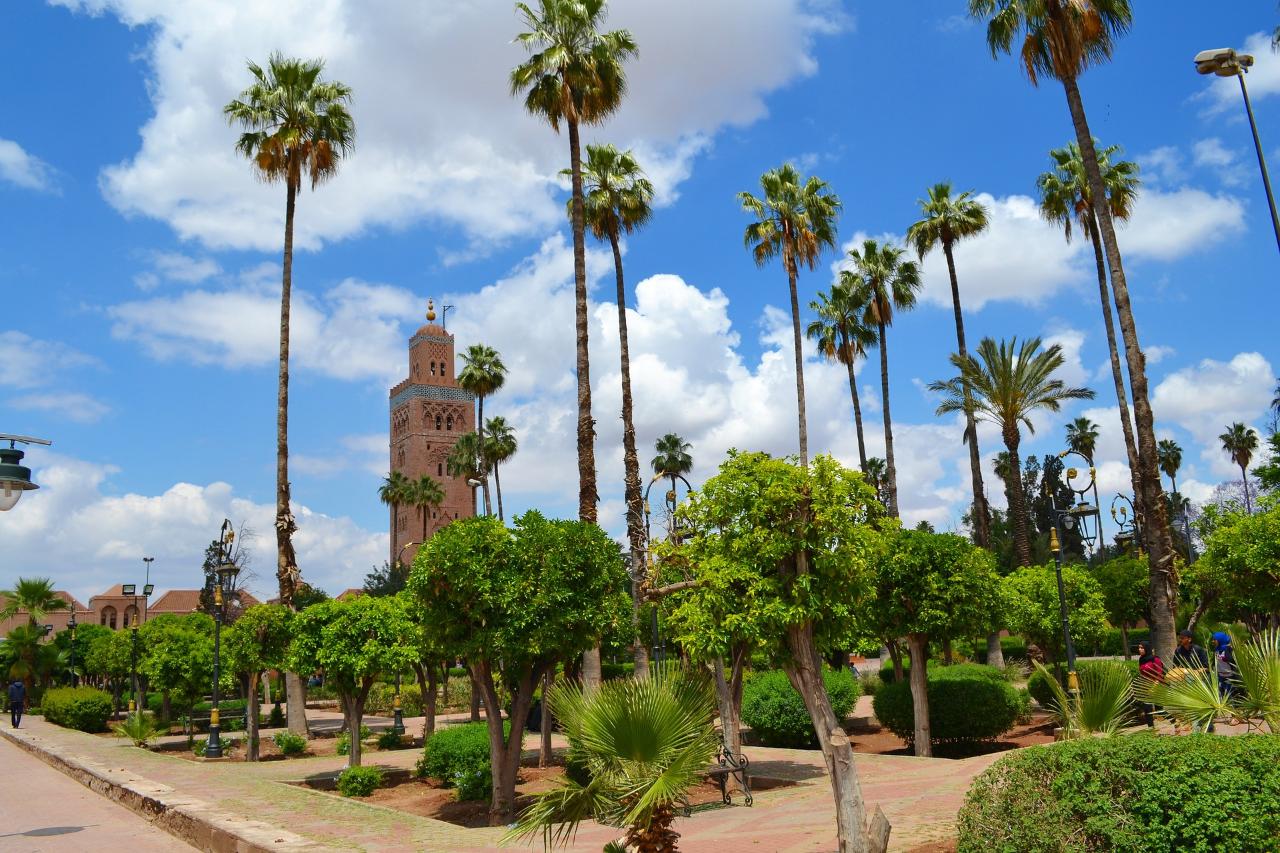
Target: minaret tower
[[429, 412]]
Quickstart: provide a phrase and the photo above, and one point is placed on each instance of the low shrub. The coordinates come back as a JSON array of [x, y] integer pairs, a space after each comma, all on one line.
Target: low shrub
[[290, 744], [84, 708], [390, 740], [458, 756], [225, 706], [1012, 647], [1113, 644], [321, 693], [611, 671], [776, 713], [967, 702], [1038, 685], [276, 720], [1128, 793], [359, 781], [382, 700], [870, 683], [137, 727]]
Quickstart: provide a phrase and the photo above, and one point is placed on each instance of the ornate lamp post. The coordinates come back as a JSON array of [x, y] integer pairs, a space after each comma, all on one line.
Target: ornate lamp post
[[15, 478], [71, 625], [1084, 516], [1126, 519], [223, 588]]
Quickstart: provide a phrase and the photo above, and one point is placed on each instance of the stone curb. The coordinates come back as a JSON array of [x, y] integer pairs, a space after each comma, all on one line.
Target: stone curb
[[186, 818]]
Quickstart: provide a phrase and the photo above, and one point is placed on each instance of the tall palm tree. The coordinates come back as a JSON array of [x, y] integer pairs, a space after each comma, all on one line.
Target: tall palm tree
[[1082, 437], [1170, 453], [1064, 196], [673, 456], [892, 284], [500, 444], [618, 199], [482, 374], [947, 219], [574, 76], [425, 494], [295, 125], [796, 219], [1061, 39], [842, 334], [465, 460], [34, 595], [1240, 442], [1008, 383], [876, 475], [392, 492]]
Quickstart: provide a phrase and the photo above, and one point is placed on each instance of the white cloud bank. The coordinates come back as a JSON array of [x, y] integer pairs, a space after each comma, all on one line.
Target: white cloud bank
[[23, 169]]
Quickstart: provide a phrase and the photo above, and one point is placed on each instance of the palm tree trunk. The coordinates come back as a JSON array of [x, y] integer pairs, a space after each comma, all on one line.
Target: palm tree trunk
[[789, 261], [587, 496], [891, 470], [497, 482], [481, 463], [981, 515], [1244, 481], [857, 407], [1017, 498], [1164, 581]]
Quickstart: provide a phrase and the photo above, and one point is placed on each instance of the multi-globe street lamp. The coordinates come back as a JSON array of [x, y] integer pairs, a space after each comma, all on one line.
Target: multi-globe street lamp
[[1129, 532], [15, 478], [1225, 62], [223, 587], [643, 575], [1082, 517]]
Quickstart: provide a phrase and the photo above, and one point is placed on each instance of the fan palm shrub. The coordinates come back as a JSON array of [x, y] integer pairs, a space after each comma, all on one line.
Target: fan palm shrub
[[644, 744], [1104, 704], [139, 727], [1194, 696]]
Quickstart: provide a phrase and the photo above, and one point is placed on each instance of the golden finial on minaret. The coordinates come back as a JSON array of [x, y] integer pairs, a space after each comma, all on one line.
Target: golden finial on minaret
[[431, 310]]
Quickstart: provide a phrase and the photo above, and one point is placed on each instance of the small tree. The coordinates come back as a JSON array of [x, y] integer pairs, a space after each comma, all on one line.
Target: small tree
[[353, 641], [513, 603], [257, 642], [1031, 607], [932, 586], [108, 661], [1124, 582], [1240, 566], [179, 660]]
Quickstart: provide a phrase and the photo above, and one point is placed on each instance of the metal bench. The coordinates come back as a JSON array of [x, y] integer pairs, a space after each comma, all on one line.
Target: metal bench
[[735, 765]]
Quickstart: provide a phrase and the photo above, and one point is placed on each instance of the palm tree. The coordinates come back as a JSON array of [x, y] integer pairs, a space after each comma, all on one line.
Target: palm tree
[[1064, 195], [1082, 437], [796, 219], [644, 743], [574, 75], [23, 646], [426, 494], [1170, 460], [465, 460], [948, 219], [617, 200], [673, 457], [1061, 39], [876, 475], [891, 284], [843, 334], [392, 492], [294, 124], [500, 444], [34, 595], [1240, 442], [1008, 383], [482, 374]]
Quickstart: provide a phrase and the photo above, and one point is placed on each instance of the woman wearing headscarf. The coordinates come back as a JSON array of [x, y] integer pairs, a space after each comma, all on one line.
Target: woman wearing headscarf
[[1151, 668], [1226, 655]]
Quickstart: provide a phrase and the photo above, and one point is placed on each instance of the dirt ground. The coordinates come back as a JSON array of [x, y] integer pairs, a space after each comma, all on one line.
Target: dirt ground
[[876, 740]]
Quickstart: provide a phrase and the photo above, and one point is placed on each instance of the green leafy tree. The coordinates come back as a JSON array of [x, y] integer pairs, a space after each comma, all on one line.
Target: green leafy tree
[[258, 641], [780, 555], [1005, 384], [1061, 39], [427, 494], [1241, 565], [574, 76], [34, 595], [307, 595], [931, 586], [179, 660], [500, 444], [876, 474], [22, 647], [1031, 607], [513, 603], [388, 580], [108, 661], [353, 642], [795, 220], [1268, 474], [843, 334], [1124, 584], [945, 220], [483, 373], [1240, 442], [890, 284]]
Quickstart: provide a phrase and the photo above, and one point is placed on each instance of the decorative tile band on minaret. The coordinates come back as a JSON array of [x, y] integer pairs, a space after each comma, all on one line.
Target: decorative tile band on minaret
[[429, 412]]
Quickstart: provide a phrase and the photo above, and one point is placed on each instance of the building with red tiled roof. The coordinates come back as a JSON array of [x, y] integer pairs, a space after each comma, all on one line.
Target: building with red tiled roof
[[57, 618], [350, 593]]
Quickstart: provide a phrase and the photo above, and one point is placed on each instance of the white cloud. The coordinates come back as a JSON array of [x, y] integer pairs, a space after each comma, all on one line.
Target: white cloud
[[27, 362], [1163, 165], [433, 143], [1155, 354], [22, 169], [1263, 79], [367, 454], [80, 408], [1212, 154], [1166, 226]]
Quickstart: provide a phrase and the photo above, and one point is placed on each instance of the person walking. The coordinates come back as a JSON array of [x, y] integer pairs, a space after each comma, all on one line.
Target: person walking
[[17, 701], [1226, 663], [1190, 656], [1151, 668]]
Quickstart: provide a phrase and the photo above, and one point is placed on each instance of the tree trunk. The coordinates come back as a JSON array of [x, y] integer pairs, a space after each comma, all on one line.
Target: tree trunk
[[891, 470], [948, 656], [266, 687], [353, 710], [857, 405], [1202, 606], [251, 718], [587, 496], [1164, 581], [497, 482], [729, 702], [895, 655], [789, 261], [286, 560], [918, 646], [995, 651], [544, 730], [981, 514], [428, 684], [166, 706], [482, 464], [1017, 499], [475, 701], [1124, 640], [444, 678], [504, 752], [295, 691], [1244, 481]]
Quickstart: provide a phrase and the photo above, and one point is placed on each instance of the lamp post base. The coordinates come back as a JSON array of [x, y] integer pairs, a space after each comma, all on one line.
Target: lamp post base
[[398, 725], [213, 747]]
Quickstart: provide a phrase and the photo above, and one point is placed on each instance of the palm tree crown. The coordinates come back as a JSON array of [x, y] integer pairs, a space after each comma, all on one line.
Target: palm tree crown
[[482, 374], [1064, 190], [1082, 437], [673, 455], [617, 198], [34, 595], [1060, 38], [1240, 442], [946, 219], [892, 282], [795, 219], [843, 334], [500, 444], [1170, 453]]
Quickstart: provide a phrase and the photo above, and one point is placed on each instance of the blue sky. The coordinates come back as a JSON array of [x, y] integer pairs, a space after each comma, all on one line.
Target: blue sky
[[140, 259]]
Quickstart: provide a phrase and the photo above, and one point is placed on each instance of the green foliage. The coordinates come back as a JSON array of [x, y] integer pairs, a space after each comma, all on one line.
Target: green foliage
[[1104, 704], [1125, 584], [1240, 565], [458, 756], [1031, 607], [777, 715], [343, 746], [359, 781], [108, 655], [1113, 643], [936, 584], [139, 727], [353, 641], [1040, 689], [82, 708], [870, 683], [967, 702], [259, 639], [180, 660], [390, 740], [610, 671], [290, 744], [275, 719], [381, 699], [1137, 792]]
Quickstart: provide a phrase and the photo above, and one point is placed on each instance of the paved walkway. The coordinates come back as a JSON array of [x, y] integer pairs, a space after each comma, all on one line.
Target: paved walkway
[[45, 811]]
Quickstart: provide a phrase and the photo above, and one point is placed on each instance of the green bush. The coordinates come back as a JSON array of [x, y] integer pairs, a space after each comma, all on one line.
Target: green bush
[[83, 708], [290, 744], [1012, 647], [870, 683], [1132, 792], [611, 671], [276, 720], [390, 740], [321, 693], [225, 706], [359, 781], [1113, 644], [344, 739], [1040, 690], [967, 702], [382, 700], [137, 727], [776, 713], [458, 756]]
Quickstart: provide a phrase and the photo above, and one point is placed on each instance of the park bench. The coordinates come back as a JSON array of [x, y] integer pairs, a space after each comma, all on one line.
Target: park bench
[[732, 764]]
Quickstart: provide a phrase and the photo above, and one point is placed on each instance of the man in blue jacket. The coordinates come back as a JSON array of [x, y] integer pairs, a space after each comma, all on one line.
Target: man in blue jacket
[[17, 701]]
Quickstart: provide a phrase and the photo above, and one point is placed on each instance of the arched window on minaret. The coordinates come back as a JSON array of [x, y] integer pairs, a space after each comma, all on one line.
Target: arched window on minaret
[[448, 424], [439, 469], [439, 422], [433, 368]]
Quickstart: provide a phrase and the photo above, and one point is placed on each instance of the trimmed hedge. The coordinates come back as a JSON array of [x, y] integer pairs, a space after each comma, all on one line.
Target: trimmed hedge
[[459, 757], [359, 781], [776, 713], [1113, 644], [381, 700], [967, 702], [612, 671], [1038, 685], [1132, 792], [83, 708]]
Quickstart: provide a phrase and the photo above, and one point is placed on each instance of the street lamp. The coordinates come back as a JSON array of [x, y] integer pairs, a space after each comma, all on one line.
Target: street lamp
[[1225, 62], [135, 703], [1081, 516], [14, 477], [223, 587], [71, 626], [1126, 519]]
